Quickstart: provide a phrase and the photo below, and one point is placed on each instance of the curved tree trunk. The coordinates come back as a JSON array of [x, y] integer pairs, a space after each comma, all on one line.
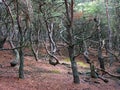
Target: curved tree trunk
[[17, 56]]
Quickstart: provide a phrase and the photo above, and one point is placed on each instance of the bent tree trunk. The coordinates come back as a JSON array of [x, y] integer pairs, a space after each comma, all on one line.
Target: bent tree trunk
[[90, 62], [17, 57], [73, 65]]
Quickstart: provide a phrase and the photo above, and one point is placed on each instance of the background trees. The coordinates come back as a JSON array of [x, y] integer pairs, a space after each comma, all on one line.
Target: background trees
[[77, 24]]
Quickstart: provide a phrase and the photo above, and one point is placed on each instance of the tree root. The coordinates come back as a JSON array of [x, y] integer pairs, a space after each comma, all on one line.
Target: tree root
[[103, 79], [54, 62]]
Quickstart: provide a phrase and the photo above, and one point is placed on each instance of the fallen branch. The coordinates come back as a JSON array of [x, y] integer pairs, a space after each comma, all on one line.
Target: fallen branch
[[105, 80], [116, 76]]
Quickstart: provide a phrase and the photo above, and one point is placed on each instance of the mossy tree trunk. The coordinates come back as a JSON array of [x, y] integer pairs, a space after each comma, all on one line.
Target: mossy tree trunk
[[92, 68], [73, 65]]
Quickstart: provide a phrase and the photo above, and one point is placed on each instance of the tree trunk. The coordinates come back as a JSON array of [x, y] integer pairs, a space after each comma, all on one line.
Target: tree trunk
[[100, 56], [109, 34], [21, 67], [73, 65], [2, 41], [70, 39], [92, 68]]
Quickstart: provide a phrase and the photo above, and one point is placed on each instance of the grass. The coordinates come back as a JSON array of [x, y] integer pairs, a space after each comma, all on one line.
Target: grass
[[82, 64], [55, 71], [67, 59]]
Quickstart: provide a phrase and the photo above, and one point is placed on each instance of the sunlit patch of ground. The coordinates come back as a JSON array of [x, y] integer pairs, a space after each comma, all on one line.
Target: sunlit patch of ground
[[83, 64]]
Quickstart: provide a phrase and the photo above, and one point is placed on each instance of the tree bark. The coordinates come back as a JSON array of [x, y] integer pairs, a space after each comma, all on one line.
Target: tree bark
[[70, 43], [109, 33], [73, 65], [100, 56], [21, 67]]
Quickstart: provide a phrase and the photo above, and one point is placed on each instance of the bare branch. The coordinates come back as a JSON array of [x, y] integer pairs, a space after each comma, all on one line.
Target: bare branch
[[63, 37]]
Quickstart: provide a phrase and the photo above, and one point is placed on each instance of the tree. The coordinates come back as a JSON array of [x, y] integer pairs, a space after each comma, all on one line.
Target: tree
[[18, 28], [100, 56], [109, 33], [70, 38]]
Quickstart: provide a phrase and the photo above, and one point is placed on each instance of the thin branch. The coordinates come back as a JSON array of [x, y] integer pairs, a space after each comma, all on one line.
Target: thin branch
[[9, 11], [116, 76], [63, 37], [1, 49], [116, 57]]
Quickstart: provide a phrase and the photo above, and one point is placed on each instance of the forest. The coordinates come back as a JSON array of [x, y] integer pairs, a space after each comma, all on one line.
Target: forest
[[60, 44]]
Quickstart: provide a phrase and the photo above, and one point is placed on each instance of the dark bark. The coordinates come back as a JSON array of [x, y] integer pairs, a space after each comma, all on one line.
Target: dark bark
[[100, 56], [111, 60], [101, 61], [112, 75], [2, 41], [13, 63], [35, 53], [53, 62], [73, 65], [21, 68], [92, 68], [69, 39]]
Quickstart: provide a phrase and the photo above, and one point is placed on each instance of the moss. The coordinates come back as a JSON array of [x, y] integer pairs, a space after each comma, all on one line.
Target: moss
[[55, 71], [66, 60], [82, 64]]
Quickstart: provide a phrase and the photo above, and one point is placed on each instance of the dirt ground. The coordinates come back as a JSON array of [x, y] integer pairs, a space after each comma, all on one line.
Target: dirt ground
[[43, 76]]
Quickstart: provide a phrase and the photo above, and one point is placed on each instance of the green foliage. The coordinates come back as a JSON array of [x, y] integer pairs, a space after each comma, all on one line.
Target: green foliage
[[92, 7]]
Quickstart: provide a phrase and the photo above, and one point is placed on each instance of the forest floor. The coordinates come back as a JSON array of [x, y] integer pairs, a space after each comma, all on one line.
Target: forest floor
[[41, 75]]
